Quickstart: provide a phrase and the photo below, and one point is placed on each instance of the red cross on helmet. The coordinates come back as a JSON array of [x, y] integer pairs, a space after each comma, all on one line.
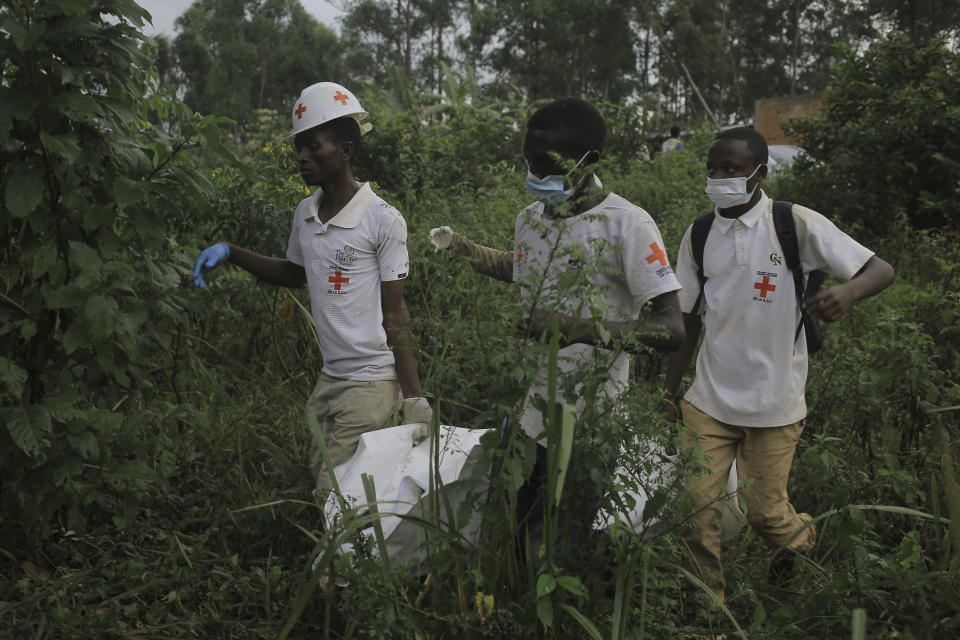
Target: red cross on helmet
[[322, 102]]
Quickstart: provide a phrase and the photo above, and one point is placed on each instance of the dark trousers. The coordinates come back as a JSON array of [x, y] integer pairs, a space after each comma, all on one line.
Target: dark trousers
[[579, 504]]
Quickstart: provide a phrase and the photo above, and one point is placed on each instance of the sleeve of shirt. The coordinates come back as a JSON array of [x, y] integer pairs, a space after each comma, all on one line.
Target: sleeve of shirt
[[294, 251], [687, 274], [392, 253], [824, 247], [646, 267]]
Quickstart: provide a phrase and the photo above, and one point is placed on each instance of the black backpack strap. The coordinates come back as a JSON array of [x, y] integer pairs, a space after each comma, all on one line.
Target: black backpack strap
[[786, 228], [698, 240]]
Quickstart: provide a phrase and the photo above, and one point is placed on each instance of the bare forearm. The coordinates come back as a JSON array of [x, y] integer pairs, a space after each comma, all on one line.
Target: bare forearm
[[662, 330], [484, 260], [398, 328], [277, 271], [679, 361], [653, 333], [874, 277]]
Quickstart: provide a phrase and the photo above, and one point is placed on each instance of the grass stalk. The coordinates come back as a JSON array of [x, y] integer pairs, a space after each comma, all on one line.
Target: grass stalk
[[858, 624], [370, 491]]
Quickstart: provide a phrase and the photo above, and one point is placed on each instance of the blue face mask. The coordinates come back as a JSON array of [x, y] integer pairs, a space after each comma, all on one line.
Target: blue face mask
[[551, 188]]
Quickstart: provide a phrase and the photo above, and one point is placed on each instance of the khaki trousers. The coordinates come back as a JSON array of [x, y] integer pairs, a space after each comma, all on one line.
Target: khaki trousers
[[345, 410], [764, 456]]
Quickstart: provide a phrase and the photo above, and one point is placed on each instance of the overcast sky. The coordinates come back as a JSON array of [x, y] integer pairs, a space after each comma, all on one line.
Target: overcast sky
[[164, 12]]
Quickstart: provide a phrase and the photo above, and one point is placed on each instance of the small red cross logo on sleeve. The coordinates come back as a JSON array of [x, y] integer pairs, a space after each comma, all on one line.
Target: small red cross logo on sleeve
[[342, 97], [765, 286], [338, 279], [300, 110], [657, 255]]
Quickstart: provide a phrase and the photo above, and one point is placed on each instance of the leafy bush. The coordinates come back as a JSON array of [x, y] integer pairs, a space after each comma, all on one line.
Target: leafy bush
[[91, 311], [885, 147]]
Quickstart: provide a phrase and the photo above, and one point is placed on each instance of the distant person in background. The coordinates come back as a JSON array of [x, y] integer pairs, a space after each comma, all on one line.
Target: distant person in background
[[350, 248], [747, 398], [643, 153], [673, 143]]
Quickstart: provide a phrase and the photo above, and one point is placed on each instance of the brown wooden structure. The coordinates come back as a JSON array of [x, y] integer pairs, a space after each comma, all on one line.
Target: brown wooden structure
[[769, 114]]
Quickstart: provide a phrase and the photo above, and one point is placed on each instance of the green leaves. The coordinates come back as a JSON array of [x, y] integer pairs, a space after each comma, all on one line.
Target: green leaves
[[24, 190], [27, 426], [44, 257], [85, 257], [888, 109], [128, 192], [86, 172], [12, 377], [64, 146]]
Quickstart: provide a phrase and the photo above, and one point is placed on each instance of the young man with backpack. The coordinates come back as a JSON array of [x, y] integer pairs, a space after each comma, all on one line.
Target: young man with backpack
[[749, 269], [349, 247]]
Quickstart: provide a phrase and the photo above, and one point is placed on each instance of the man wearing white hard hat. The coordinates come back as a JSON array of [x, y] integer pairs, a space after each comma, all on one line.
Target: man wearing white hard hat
[[350, 248]]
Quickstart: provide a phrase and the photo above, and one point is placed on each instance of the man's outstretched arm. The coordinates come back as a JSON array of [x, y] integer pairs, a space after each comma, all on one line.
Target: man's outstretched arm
[[276, 271], [485, 260]]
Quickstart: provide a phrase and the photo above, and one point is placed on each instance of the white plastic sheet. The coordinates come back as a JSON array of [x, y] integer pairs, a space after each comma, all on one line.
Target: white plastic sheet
[[401, 473], [664, 478]]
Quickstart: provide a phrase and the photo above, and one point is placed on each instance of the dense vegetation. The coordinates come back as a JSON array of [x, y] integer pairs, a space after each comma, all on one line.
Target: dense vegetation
[[152, 445]]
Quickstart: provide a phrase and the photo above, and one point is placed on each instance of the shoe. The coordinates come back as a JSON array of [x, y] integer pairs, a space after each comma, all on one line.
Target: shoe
[[698, 624], [783, 568]]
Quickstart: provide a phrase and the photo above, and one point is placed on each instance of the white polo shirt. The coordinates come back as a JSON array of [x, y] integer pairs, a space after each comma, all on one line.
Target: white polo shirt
[[345, 260], [606, 262], [750, 372]]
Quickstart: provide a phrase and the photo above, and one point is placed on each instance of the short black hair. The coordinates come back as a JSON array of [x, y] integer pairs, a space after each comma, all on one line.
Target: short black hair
[[756, 143], [345, 129], [579, 121], [674, 131]]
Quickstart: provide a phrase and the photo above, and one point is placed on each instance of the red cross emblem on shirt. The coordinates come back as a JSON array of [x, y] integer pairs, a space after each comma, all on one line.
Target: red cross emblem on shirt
[[338, 279], [657, 255], [342, 97], [300, 110], [765, 286]]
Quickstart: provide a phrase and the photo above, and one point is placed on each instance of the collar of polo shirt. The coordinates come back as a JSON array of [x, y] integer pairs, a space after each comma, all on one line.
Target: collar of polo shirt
[[348, 217], [748, 219]]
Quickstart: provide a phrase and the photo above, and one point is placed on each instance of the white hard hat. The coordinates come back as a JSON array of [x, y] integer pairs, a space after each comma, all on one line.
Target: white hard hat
[[323, 102]]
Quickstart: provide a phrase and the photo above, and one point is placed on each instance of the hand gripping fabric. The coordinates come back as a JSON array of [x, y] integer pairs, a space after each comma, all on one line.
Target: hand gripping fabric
[[786, 227]]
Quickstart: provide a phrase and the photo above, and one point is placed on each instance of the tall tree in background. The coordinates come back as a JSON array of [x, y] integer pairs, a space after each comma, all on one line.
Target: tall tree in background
[[694, 55], [235, 56], [383, 38], [786, 47], [683, 60], [920, 20], [553, 49], [739, 52]]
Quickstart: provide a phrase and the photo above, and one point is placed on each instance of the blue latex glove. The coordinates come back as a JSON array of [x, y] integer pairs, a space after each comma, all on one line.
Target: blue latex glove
[[209, 259]]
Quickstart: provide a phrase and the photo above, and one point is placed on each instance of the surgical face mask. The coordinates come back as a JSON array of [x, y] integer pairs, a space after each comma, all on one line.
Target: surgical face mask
[[729, 192], [551, 188]]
